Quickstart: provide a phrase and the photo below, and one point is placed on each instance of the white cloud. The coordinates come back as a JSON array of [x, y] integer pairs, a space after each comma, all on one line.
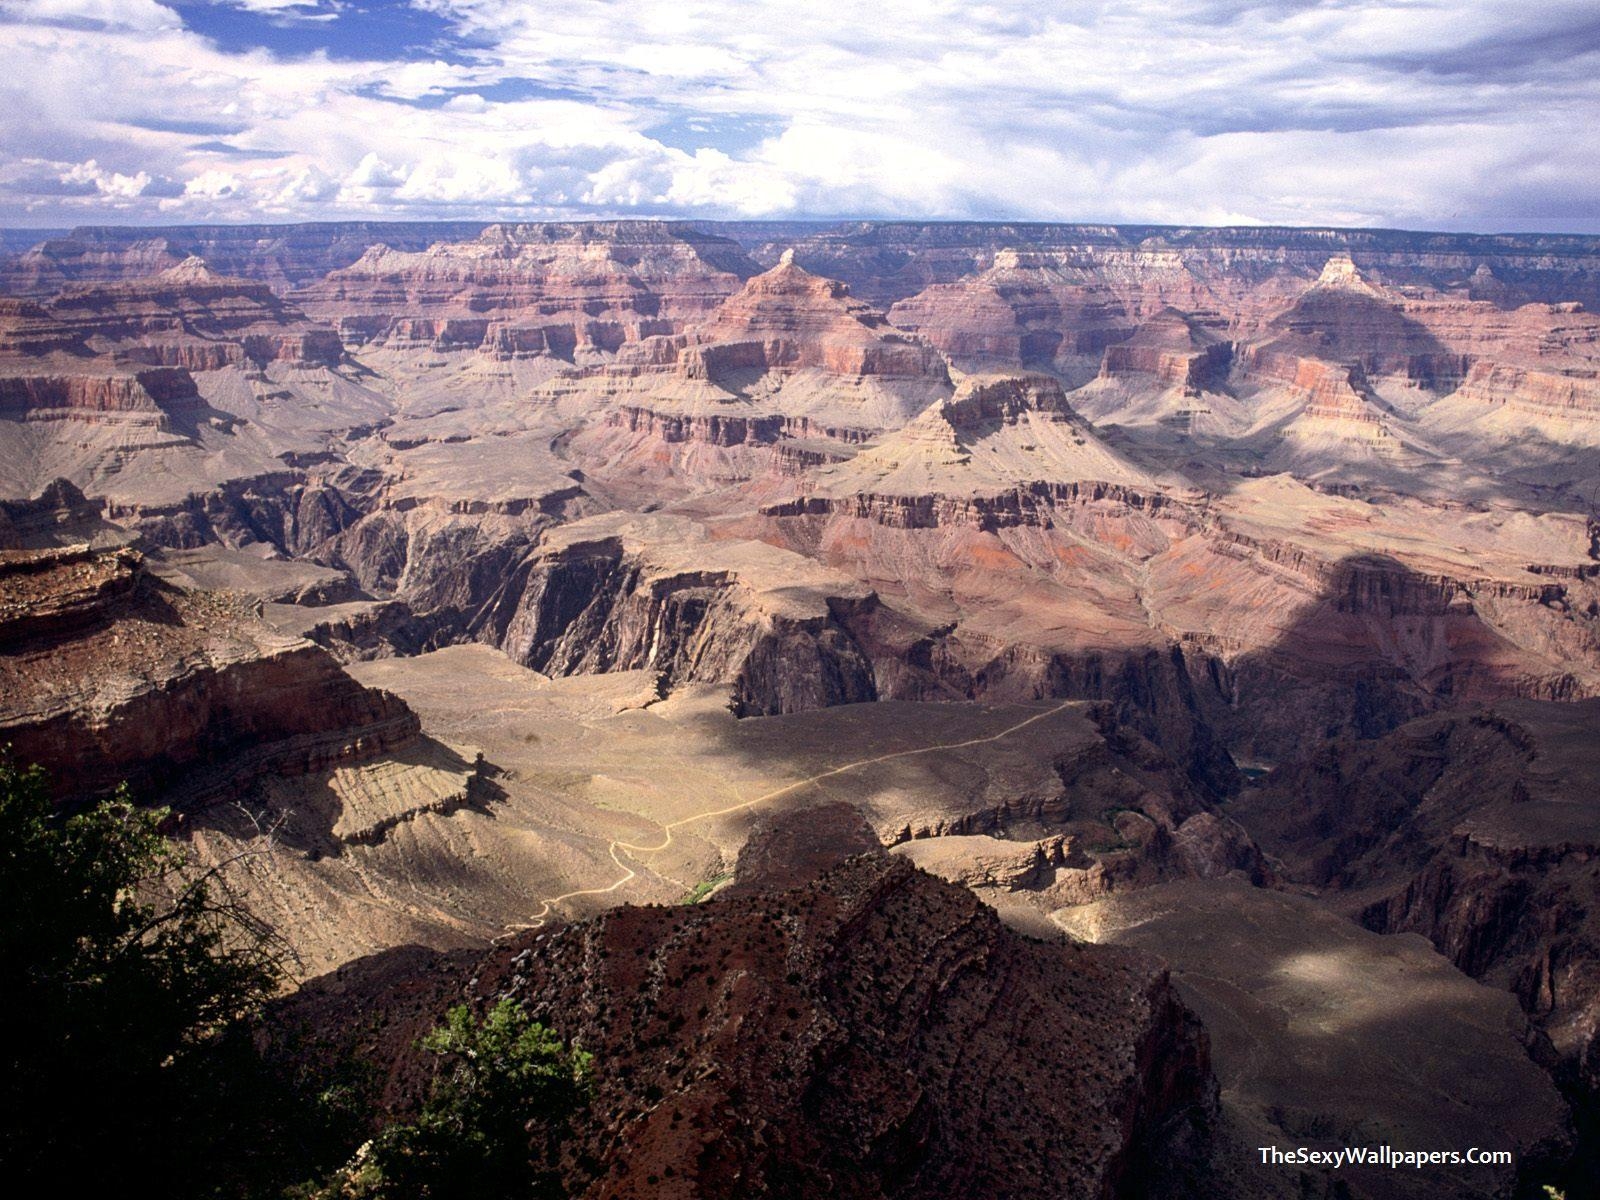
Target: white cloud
[[120, 14], [1434, 112], [213, 185], [373, 172], [311, 185], [90, 179]]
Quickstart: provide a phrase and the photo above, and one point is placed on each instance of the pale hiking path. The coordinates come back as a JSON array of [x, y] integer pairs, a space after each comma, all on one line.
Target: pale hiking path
[[629, 873]]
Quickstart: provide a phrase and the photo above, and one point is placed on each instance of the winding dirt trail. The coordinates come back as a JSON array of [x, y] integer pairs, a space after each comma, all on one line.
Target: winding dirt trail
[[617, 847]]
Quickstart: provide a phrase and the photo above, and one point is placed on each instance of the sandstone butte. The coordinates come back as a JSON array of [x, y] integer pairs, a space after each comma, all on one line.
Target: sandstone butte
[[924, 603]]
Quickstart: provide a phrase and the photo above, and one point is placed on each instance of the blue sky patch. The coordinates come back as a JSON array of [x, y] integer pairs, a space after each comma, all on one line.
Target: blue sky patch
[[352, 30], [733, 134]]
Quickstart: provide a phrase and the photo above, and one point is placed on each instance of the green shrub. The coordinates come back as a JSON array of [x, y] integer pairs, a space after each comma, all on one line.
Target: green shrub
[[503, 1094]]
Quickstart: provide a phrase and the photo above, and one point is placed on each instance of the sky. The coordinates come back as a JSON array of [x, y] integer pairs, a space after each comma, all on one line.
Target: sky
[[1435, 114]]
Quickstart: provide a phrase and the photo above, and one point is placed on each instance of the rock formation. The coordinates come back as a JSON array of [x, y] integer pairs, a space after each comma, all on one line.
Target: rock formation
[[111, 675], [856, 1035], [532, 290]]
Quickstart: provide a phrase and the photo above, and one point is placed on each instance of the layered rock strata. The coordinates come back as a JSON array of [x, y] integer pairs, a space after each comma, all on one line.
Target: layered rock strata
[[111, 675]]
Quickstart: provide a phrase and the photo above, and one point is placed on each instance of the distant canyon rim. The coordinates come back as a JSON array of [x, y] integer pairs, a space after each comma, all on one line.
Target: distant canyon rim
[[1174, 653]]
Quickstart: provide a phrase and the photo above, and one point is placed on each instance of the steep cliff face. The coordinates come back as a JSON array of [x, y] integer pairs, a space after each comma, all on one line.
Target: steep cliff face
[[1027, 309], [1345, 318], [606, 595], [804, 321], [1172, 349], [60, 515], [157, 392], [189, 312], [110, 675], [1187, 267], [151, 389]]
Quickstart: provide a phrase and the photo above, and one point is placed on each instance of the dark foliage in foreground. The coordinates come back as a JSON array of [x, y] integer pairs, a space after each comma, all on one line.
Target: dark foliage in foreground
[[130, 980], [491, 1125], [136, 982]]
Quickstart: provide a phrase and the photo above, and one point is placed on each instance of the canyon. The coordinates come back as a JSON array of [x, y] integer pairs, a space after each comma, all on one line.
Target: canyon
[[1012, 703]]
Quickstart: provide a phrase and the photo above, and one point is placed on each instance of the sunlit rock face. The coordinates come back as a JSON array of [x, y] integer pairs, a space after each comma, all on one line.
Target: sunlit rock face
[[527, 290]]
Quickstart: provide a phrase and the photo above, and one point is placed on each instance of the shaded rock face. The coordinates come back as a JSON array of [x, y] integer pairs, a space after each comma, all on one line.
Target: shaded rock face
[[872, 1033], [110, 675], [150, 333], [594, 608], [1476, 829], [60, 513], [190, 316], [1115, 816], [1328, 1035], [1025, 310], [156, 393], [1172, 349]]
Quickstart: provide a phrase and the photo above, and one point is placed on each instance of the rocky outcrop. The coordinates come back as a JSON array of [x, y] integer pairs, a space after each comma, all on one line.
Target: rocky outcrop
[[1528, 388], [1022, 506], [110, 675], [155, 392], [1174, 350], [60, 515], [279, 255], [1120, 814], [857, 1035], [170, 312], [1027, 309], [980, 861], [1187, 267], [27, 331], [803, 321]]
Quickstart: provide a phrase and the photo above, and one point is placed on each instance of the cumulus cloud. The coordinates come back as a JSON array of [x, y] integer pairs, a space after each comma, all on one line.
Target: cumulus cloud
[[1444, 113], [213, 185]]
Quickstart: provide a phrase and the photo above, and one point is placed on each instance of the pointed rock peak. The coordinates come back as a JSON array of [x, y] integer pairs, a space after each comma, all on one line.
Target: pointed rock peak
[[1483, 274], [789, 278], [191, 270], [1340, 271], [1175, 317], [931, 439]]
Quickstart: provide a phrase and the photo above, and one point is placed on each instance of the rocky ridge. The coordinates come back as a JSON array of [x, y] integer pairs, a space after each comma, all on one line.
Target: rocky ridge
[[854, 1033]]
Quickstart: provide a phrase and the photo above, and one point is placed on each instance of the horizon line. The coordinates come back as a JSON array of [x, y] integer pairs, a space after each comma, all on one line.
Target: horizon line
[[823, 222]]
